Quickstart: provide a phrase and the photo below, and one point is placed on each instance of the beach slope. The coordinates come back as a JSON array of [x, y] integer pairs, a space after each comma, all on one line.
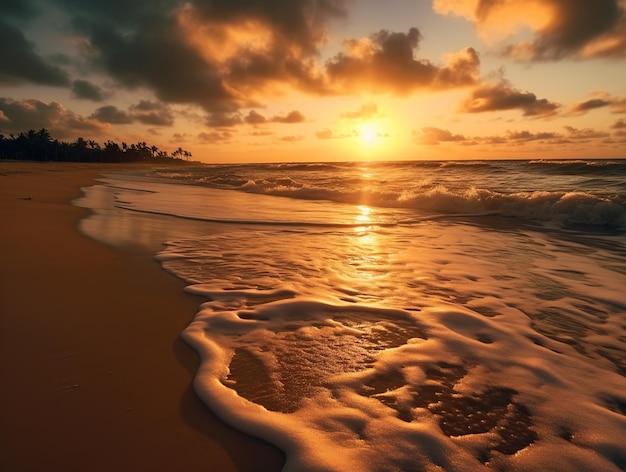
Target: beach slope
[[94, 374]]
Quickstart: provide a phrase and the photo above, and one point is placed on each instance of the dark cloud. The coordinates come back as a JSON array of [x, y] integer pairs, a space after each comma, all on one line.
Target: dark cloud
[[292, 117], [21, 115], [526, 136], [226, 56], [152, 113], [113, 115], [586, 133], [284, 37], [221, 119], [87, 90], [20, 62], [19, 9], [562, 28], [584, 107], [212, 53], [616, 105], [215, 137], [385, 63], [619, 124], [502, 96], [146, 112], [179, 137], [572, 136], [367, 111], [159, 58], [116, 13], [576, 25], [255, 118], [434, 136]]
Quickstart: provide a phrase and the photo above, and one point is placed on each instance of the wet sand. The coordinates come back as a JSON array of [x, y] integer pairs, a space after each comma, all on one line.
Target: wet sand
[[94, 374]]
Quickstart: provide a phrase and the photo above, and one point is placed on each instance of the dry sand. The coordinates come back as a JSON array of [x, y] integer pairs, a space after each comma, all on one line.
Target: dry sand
[[93, 374]]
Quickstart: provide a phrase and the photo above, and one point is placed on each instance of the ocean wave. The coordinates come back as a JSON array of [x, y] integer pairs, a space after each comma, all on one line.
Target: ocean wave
[[567, 192], [569, 208]]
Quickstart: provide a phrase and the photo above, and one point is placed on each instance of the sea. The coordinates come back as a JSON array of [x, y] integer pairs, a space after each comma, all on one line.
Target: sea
[[398, 316]]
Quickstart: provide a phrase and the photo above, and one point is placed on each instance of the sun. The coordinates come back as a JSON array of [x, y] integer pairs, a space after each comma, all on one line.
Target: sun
[[368, 134]]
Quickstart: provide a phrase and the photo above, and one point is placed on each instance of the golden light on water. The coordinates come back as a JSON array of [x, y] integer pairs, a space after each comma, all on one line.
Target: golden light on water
[[364, 215]]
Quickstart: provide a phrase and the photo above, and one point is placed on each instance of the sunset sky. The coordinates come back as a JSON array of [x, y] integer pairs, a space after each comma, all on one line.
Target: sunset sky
[[320, 80]]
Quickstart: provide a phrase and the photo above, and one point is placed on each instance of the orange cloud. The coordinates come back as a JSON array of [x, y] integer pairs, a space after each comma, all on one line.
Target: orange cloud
[[616, 105], [255, 118], [366, 112], [330, 134], [502, 96], [560, 28], [385, 62], [434, 136], [19, 115]]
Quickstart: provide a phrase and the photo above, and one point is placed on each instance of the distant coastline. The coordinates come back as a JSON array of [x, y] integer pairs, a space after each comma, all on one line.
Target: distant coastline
[[39, 145]]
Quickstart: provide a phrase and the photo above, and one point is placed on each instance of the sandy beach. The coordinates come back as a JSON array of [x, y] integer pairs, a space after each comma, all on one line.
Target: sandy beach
[[94, 374]]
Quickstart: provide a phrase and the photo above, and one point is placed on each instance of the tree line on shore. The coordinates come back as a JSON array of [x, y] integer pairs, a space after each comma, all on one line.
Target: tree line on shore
[[39, 146]]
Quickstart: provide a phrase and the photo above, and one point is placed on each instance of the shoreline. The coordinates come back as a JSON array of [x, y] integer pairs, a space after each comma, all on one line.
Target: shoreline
[[95, 374]]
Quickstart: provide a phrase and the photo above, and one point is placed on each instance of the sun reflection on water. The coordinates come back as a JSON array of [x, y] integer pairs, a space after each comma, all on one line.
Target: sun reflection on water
[[364, 215]]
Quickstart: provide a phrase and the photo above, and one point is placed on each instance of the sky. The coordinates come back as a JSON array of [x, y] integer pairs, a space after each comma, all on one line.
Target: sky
[[321, 80]]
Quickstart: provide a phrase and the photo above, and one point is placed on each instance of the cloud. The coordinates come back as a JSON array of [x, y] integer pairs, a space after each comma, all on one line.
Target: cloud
[[583, 107], [219, 55], [561, 28], [146, 112], [19, 9], [21, 115], [433, 136], [225, 57], [502, 96], [255, 118], [292, 117], [20, 62], [619, 124], [385, 63], [152, 113], [113, 115], [367, 111], [224, 119], [87, 90], [586, 133], [616, 105], [179, 138], [571, 136], [262, 132], [621, 138], [527, 136], [296, 22], [330, 134], [215, 137], [292, 139]]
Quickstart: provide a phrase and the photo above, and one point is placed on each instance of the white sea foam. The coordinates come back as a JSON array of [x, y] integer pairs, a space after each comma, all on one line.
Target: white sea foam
[[368, 352]]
